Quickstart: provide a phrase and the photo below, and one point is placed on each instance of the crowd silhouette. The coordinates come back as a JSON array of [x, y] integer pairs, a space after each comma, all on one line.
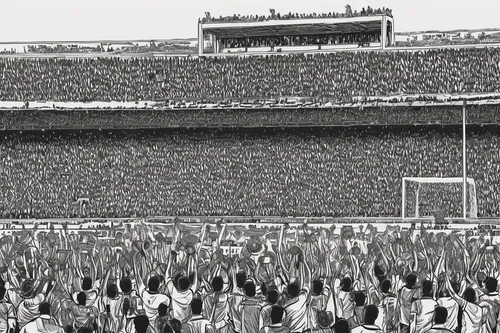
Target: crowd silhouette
[[230, 278]]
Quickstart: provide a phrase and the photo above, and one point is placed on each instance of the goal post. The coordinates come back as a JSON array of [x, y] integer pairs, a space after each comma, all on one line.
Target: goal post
[[422, 192]]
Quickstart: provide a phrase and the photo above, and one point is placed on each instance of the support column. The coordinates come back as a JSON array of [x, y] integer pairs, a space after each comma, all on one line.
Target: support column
[[201, 40]]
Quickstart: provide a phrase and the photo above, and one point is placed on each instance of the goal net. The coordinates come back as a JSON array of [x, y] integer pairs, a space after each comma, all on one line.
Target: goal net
[[427, 196]]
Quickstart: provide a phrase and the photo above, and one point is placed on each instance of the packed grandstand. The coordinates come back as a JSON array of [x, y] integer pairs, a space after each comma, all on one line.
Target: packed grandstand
[[144, 208]]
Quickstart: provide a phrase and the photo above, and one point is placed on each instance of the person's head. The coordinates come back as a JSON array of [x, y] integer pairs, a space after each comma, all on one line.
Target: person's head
[[44, 308], [86, 283], [176, 325], [112, 291], [85, 330], [154, 283], [293, 289], [342, 326], [277, 313], [359, 298], [456, 287], [325, 319], [241, 279], [81, 298], [317, 287], [217, 283], [440, 315], [126, 285], [385, 286], [371, 314], [184, 283], [427, 288], [250, 289], [2, 292], [272, 296], [346, 283], [491, 284], [141, 323], [411, 280], [168, 329], [162, 310], [470, 295], [196, 306]]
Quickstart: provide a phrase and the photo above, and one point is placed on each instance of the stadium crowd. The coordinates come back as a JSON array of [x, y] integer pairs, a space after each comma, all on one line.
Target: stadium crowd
[[293, 16], [142, 278], [223, 116], [292, 172], [339, 76]]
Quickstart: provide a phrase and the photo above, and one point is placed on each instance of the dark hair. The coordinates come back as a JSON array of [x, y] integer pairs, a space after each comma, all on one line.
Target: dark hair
[[342, 326], [85, 330], [154, 283], [218, 283], [176, 325], [87, 283], [470, 295], [440, 315], [44, 308], [126, 285], [241, 278], [141, 323], [324, 319], [455, 286], [385, 286], [162, 309], [427, 288], [250, 289], [273, 296], [371, 314], [184, 283], [112, 290], [293, 289], [317, 287], [168, 329], [491, 284], [196, 306], [359, 298], [346, 283], [2, 291], [411, 280], [277, 314], [81, 298]]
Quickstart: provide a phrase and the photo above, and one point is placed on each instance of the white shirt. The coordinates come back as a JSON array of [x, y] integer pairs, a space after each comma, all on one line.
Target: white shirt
[[452, 307], [296, 312], [424, 310], [151, 301], [42, 324], [181, 302]]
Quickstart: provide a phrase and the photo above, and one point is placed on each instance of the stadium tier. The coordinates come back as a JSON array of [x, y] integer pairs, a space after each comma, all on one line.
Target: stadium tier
[[340, 76], [347, 172]]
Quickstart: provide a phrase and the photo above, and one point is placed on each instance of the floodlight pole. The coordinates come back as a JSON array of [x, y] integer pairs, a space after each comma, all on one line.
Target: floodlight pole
[[464, 159]]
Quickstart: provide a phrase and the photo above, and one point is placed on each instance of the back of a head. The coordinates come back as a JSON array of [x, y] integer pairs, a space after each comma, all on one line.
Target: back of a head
[[112, 291], [386, 286], [86, 283], [346, 283], [359, 298], [491, 284], [317, 287], [293, 289], [162, 310], [126, 285], [371, 314], [250, 289], [241, 279], [456, 287], [44, 308], [218, 283], [411, 280], [81, 298], [273, 296], [176, 325], [85, 330], [470, 295], [2, 292], [184, 283], [196, 306], [325, 319], [154, 283], [168, 329], [277, 313], [440, 315], [427, 288], [342, 326], [141, 323]]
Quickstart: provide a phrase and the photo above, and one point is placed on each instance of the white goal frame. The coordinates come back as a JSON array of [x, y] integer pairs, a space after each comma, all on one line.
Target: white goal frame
[[442, 180]]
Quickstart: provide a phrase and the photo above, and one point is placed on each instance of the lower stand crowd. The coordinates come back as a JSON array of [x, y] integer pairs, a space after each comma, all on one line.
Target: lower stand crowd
[[231, 278]]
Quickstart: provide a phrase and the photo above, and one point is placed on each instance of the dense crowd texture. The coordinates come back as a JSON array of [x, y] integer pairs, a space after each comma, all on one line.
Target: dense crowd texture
[[368, 11], [339, 76], [227, 278], [347, 172]]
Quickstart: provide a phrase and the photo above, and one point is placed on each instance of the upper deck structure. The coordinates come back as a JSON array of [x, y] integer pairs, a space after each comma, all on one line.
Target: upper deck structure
[[296, 35]]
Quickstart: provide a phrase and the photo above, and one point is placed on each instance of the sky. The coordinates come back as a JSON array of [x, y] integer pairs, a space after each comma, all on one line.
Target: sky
[[84, 20]]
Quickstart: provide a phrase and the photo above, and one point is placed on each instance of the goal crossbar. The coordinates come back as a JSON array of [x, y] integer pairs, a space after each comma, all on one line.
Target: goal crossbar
[[437, 180]]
